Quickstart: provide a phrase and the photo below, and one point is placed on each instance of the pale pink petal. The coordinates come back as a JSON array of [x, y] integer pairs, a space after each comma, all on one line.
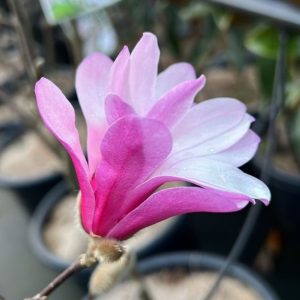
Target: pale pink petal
[[119, 75], [116, 108], [216, 174], [241, 152], [131, 150], [207, 120], [173, 75], [187, 148], [59, 117], [175, 201], [143, 73], [174, 104], [91, 86]]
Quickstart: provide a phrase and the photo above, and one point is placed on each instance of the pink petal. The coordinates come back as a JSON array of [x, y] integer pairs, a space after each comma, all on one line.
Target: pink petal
[[174, 104], [216, 174], [119, 74], [141, 192], [172, 76], [131, 150], [87, 200], [241, 152], [59, 117], [175, 201], [91, 85], [206, 120], [143, 73], [116, 108]]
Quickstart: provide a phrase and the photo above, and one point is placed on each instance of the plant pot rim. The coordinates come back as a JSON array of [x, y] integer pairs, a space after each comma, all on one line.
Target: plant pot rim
[[19, 182], [39, 218], [206, 261], [6, 182]]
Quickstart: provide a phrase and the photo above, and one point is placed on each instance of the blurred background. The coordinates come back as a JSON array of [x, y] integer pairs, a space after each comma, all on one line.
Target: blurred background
[[238, 45]]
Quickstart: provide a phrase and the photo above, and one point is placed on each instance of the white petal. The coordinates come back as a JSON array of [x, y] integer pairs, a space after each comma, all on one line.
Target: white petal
[[216, 174], [199, 147], [207, 120], [241, 152], [143, 73]]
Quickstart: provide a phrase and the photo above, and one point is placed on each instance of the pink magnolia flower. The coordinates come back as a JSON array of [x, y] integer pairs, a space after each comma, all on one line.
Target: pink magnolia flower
[[144, 131]]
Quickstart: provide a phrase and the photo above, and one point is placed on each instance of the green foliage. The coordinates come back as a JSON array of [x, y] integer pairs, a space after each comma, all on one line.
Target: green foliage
[[265, 72], [263, 41], [223, 19], [62, 10]]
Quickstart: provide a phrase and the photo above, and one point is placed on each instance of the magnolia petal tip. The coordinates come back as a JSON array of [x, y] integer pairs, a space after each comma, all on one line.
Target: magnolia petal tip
[[265, 201], [125, 49], [42, 80], [202, 80], [202, 77], [148, 34], [242, 204]]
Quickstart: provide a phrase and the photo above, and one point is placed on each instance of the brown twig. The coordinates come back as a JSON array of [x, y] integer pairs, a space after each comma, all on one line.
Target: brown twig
[[75, 267], [73, 41], [25, 40]]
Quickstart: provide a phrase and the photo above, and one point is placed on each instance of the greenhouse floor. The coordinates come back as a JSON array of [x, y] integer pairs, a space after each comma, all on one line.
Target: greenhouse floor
[[21, 274]]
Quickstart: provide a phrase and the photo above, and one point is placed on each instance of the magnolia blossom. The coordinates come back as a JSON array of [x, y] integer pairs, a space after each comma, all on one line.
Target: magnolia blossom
[[143, 131]]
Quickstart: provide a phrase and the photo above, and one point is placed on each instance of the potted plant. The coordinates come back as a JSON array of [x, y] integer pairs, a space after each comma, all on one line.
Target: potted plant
[[144, 145]]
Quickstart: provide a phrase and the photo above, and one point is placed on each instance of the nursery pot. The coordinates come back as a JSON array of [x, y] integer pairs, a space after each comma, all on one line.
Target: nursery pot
[[180, 268], [285, 190], [165, 239], [29, 189], [217, 233], [9, 131]]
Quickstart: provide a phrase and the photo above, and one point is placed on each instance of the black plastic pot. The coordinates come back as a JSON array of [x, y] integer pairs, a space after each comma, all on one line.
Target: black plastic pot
[[202, 261], [285, 190], [9, 131], [163, 242], [217, 233], [30, 191]]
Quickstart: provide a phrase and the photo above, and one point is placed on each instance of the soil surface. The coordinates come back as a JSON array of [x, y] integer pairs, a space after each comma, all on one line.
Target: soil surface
[[28, 157], [178, 285], [62, 233], [64, 237]]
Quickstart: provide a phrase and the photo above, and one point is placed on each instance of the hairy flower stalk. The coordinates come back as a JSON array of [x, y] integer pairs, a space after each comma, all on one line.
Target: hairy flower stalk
[[112, 259], [144, 130]]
